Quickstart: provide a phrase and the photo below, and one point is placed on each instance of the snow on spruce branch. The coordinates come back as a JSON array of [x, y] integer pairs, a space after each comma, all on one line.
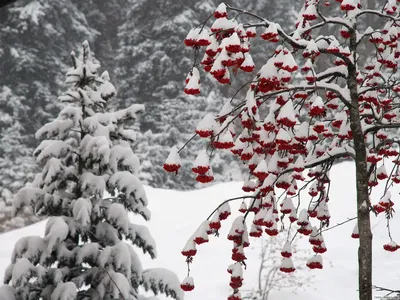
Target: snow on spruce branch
[[86, 251]]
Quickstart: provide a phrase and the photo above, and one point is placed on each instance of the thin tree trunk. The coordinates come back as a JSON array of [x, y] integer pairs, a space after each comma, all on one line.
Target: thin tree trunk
[[364, 224]]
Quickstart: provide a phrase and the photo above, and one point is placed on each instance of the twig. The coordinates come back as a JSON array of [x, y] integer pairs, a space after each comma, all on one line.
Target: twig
[[339, 224], [226, 201], [120, 292], [388, 228], [382, 289], [187, 142]]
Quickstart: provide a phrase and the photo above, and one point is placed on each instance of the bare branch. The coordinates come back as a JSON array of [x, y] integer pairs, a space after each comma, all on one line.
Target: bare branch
[[377, 13], [318, 86], [323, 160], [340, 224], [382, 289], [375, 128], [229, 200], [187, 142], [299, 44]]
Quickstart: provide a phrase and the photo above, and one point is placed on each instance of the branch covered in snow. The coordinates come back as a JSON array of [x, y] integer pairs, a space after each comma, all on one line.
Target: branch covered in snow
[[87, 248]]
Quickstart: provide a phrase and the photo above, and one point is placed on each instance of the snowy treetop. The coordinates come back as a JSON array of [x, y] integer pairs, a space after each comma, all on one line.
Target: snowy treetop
[[88, 185]]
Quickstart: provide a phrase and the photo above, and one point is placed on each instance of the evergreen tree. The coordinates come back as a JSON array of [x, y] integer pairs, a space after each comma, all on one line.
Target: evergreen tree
[[34, 40], [15, 168], [16, 164], [148, 36], [144, 59], [104, 18], [36, 36], [151, 55], [87, 187]]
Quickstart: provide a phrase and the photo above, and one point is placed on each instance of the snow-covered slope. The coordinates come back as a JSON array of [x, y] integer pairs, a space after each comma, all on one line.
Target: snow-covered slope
[[176, 215]]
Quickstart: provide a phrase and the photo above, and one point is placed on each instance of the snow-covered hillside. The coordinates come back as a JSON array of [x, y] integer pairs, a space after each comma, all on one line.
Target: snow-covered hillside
[[176, 215]]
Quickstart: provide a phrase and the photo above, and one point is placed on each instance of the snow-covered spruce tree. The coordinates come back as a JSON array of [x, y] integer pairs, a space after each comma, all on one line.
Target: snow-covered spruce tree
[[351, 110], [32, 43], [16, 163], [86, 154], [155, 64], [34, 32]]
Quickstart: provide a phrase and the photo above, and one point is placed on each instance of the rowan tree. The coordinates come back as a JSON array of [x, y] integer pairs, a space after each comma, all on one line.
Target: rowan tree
[[315, 118]]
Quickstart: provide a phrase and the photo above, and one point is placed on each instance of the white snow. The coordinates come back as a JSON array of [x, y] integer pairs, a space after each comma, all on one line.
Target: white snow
[[81, 211], [52, 170], [49, 148], [33, 11], [30, 247], [123, 157], [117, 283], [201, 231], [56, 232], [87, 252], [55, 128], [118, 215], [163, 280], [122, 258], [7, 293], [64, 291], [20, 274], [129, 184], [26, 196], [176, 215], [202, 159], [141, 236], [173, 157]]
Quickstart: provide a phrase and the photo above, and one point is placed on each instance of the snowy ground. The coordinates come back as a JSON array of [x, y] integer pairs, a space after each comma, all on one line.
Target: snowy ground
[[176, 215]]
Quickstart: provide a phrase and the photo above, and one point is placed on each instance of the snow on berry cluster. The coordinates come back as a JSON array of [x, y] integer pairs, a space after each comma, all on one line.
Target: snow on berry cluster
[[307, 126]]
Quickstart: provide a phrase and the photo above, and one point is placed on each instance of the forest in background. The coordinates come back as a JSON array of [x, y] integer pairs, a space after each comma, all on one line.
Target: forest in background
[[140, 43]]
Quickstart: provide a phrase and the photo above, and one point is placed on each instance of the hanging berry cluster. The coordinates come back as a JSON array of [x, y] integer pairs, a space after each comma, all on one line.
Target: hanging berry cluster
[[226, 46], [308, 125]]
